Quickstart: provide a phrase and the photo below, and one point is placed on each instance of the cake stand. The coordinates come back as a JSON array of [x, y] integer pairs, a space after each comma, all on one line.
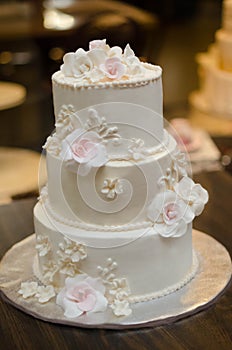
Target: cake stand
[[210, 281]]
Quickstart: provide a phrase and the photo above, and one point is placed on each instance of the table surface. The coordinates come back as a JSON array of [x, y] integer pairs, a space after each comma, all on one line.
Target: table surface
[[208, 329]]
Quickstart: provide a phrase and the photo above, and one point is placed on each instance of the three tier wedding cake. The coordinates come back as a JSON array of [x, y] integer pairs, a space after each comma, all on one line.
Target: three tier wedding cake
[[114, 222]]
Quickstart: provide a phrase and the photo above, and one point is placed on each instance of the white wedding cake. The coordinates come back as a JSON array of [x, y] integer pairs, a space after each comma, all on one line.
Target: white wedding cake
[[215, 71], [114, 223]]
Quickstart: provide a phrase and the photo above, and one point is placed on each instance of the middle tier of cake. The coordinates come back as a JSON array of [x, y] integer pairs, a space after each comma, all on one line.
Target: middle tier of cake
[[116, 194]]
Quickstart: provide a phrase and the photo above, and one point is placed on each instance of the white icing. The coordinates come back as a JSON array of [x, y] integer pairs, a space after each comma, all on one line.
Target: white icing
[[150, 263], [76, 199]]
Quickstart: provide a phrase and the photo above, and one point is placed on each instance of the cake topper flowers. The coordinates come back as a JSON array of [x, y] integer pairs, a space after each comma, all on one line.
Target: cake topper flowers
[[101, 63]]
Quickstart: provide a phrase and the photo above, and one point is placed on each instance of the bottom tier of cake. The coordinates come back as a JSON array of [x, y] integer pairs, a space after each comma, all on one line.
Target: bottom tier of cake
[[135, 264]]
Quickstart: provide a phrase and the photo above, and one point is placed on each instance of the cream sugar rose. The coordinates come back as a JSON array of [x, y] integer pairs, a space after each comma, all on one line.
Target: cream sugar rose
[[114, 222]]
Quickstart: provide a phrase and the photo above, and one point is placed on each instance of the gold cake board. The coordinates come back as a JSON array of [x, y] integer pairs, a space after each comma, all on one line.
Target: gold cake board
[[214, 274]]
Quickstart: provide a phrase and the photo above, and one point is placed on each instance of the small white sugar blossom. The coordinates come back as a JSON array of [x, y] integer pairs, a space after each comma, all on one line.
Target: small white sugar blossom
[[68, 267], [112, 187], [117, 289], [28, 289], [45, 293], [72, 250], [43, 245], [121, 307], [137, 149], [32, 289]]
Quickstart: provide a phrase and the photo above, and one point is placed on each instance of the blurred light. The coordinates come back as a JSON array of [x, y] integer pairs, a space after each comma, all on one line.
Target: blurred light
[[5, 57], [56, 53], [54, 19], [226, 160], [59, 3]]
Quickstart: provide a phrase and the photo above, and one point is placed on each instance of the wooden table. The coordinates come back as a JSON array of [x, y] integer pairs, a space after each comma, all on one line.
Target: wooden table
[[209, 329]]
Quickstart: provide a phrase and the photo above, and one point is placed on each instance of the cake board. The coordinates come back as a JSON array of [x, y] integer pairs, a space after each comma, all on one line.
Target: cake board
[[213, 276]]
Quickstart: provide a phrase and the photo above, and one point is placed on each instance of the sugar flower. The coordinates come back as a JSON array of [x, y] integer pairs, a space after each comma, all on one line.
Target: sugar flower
[[45, 293], [43, 245], [28, 289], [76, 63], [111, 188], [113, 68], [82, 294], [170, 213], [84, 149], [194, 194], [121, 307]]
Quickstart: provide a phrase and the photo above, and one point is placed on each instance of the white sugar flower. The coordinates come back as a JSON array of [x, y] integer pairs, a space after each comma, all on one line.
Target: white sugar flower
[[170, 213], [121, 307], [194, 194], [134, 66], [43, 245], [112, 188], [137, 149], [67, 267], [76, 64], [72, 250], [28, 289], [45, 293]]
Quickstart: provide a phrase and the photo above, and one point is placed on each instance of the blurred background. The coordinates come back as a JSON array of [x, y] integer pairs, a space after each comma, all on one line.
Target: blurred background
[[34, 35]]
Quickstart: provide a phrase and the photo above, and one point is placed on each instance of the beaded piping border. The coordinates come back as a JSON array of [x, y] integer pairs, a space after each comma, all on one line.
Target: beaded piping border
[[134, 82], [81, 225], [171, 289]]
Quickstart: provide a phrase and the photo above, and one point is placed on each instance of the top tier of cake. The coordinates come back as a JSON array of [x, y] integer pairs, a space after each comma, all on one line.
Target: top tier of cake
[[117, 85]]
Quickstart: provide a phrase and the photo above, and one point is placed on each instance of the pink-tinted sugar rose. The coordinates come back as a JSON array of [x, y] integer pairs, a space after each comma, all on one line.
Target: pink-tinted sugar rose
[[113, 68], [83, 295], [171, 213], [83, 150]]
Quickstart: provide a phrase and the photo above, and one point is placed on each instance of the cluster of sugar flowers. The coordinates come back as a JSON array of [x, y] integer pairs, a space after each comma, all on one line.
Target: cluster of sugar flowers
[[33, 289], [174, 208], [101, 63]]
